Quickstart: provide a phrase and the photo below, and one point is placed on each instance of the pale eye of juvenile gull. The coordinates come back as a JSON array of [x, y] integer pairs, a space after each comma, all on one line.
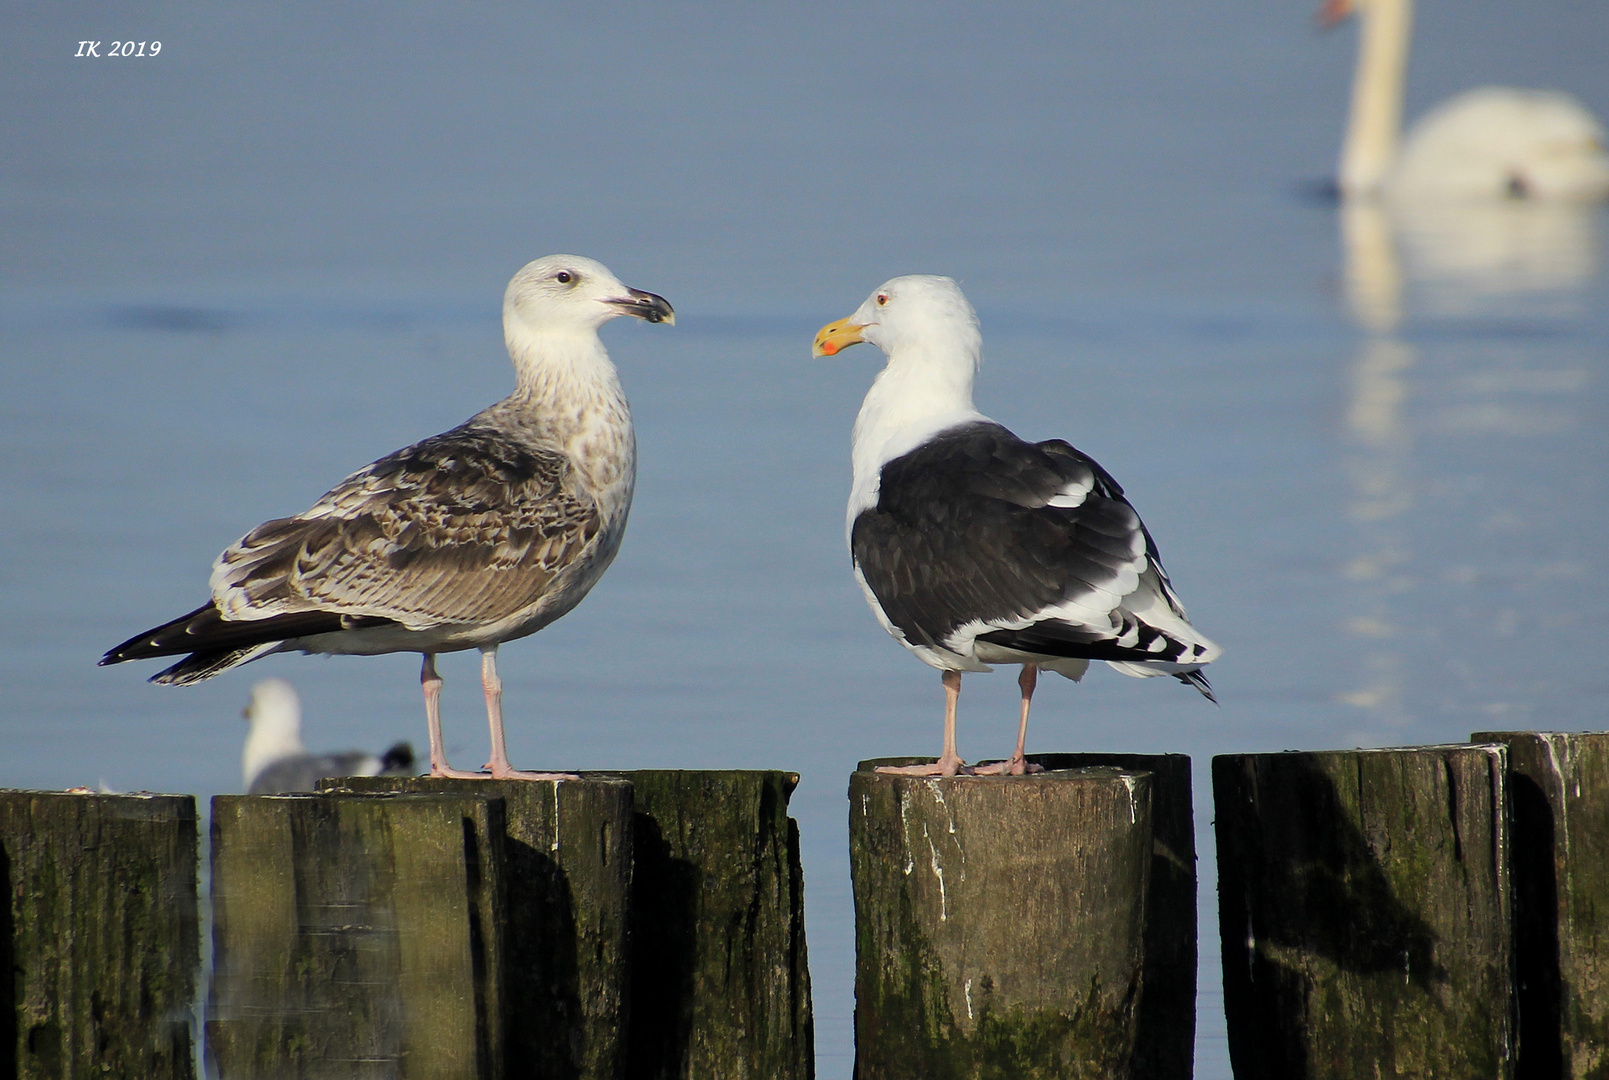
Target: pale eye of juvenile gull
[[974, 547], [464, 540]]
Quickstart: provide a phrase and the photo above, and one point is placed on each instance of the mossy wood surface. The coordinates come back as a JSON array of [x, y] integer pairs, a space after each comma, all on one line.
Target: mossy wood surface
[[999, 923], [100, 945], [1364, 914], [356, 937], [720, 979], [1165, 1037], [567, 875], [1559, 806]]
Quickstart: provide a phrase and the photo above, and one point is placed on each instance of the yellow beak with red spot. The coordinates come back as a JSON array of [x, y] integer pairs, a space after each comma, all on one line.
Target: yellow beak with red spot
[[835, 336]]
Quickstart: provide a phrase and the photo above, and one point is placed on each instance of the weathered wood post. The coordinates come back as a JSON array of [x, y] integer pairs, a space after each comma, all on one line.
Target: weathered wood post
[[1165, 1034], [1558, 787], [1364, 913], [567, 869], [999, 923], [356, 937], [99, 936], [720, 979]]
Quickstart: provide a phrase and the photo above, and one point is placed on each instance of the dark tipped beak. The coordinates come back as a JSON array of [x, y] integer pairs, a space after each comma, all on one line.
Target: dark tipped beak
[[645, 305]]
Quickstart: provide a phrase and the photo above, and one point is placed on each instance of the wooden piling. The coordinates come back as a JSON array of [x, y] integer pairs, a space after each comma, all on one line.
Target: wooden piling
[[720, 978], [1165, 1034], [999, 923], [356, 937], [1364, 913], [567, 872], [1558, 788], [99, 936]]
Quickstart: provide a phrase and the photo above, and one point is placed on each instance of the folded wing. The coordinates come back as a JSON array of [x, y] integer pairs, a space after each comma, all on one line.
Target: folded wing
[[978, 536]]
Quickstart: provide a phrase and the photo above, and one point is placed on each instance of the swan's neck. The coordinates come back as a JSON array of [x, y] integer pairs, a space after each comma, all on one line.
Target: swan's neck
[[1375, 123]]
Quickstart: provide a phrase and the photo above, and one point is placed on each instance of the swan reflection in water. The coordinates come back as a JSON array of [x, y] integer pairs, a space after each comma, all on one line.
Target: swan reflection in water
[[1488, 206], [1411, 402], [1467, 257]]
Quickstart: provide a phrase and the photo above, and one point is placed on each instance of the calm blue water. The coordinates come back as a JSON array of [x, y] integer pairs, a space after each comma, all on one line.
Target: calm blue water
[[234, 272]]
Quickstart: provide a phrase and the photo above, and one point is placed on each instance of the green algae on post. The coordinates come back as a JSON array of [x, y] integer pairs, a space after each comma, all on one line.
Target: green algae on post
[[1559, 804], [359, 934], [567, 880], [1364, 913], [99, 937], [999, 923]]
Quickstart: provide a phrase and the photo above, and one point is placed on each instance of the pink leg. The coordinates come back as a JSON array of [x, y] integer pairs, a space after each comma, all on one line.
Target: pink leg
[[1018, 765], [501, 769], [949, 762], [438, 753]]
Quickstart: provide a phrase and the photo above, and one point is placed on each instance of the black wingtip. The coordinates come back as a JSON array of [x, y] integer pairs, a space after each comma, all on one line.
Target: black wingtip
[[1199, 681], [125, 652], [398, 759], [119, 654], [169, 639]]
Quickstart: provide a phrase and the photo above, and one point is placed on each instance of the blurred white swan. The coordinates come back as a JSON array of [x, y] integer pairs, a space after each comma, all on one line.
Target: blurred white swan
[[1493, 194], [1489, 143]]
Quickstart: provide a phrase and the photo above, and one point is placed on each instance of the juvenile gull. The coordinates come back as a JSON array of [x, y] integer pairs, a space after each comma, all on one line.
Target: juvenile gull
[[974, 547], [274, 759], [468, 539]]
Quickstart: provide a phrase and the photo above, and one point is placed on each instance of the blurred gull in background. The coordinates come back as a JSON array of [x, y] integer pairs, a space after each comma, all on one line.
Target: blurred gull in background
[[275, 760]]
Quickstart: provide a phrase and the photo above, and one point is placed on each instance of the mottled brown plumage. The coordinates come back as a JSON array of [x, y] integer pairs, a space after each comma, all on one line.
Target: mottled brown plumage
[[464, 527], [467, 539]]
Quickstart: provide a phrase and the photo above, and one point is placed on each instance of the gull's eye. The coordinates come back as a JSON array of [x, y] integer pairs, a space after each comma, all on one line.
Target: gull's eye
[[564, 277], [882, 298]]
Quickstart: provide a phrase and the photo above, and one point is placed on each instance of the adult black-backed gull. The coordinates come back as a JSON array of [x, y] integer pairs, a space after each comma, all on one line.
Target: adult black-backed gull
[[471, 538], [274, 759], [974, 547]]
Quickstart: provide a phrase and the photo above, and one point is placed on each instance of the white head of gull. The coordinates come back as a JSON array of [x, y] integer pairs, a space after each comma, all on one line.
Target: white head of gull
[[274, 759], [465, 540], [974, 547]]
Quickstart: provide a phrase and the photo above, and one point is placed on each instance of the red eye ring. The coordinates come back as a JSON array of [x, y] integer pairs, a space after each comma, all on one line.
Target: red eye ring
[[882, 298]]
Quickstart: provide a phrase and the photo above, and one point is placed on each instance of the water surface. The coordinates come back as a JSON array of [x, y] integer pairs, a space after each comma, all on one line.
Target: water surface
[[235, 272]]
